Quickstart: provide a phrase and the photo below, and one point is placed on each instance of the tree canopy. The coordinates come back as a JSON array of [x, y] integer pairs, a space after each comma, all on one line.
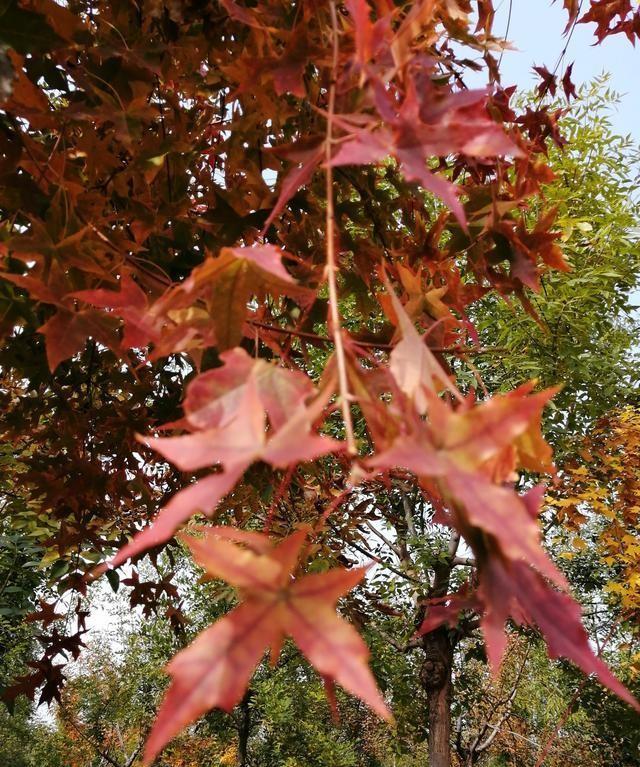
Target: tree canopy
[[279, 290]]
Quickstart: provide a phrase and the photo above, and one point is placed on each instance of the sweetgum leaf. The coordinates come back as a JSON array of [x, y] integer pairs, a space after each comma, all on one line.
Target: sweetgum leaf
[[24, 31], [228, 281], [226, 410], [214, 671]]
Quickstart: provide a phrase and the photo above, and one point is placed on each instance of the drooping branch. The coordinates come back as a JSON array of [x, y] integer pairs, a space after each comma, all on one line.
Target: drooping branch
[[335, 323]]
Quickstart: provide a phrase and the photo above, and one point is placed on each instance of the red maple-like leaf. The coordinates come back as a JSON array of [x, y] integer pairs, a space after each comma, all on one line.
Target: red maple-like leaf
[[430, 124], [306, 163], [568, 86], [515, 590], [131, 303], [214, 396], [213, 672], [227, 282], [416, 370], [548, 82], [46, 614], [360, 11], [245, 411], [67, 332], [613, 17]]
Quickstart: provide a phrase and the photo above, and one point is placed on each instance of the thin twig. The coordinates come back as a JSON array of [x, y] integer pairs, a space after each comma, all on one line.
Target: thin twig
[[103, 754], [396, 549], [315, 337], [331, 266], [376, 559], [411, 644], [480, 745], [282, 489], [506, 32]]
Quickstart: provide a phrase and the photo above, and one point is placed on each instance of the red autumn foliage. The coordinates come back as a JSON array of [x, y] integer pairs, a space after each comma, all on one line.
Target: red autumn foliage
[[224, 192], [215, 670]]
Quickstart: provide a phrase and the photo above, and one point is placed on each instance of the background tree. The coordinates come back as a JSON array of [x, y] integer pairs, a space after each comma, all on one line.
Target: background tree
[[587, 320]]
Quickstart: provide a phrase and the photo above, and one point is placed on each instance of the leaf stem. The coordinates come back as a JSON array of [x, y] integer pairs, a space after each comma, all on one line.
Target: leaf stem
[[335, 325]]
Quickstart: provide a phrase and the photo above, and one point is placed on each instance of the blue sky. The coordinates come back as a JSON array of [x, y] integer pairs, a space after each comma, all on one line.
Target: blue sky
[[536, 31]]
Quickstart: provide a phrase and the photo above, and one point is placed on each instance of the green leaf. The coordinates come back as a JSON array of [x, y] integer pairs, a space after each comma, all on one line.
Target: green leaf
[[114, 580]]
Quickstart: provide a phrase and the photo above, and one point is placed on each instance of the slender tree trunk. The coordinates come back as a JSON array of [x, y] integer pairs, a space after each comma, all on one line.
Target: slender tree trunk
[[436, 680], [244, 730]]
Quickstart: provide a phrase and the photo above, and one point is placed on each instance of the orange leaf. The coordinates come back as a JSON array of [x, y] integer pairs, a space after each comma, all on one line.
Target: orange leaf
[[213, 672]]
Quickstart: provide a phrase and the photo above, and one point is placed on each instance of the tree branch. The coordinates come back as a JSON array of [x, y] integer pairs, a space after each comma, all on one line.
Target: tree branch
[[396, 549], [411, 644], [335, 325], [91, 742], [377, 560]]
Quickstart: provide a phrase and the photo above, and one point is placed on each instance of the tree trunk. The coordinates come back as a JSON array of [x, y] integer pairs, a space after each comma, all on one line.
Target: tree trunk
[[436, 680], [244, 730]]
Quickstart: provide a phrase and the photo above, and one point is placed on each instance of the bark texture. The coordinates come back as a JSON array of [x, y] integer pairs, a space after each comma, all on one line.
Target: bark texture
[[437, 682]]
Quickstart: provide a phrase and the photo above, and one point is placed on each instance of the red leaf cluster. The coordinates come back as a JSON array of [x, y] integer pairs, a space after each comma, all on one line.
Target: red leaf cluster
[[276, 217]]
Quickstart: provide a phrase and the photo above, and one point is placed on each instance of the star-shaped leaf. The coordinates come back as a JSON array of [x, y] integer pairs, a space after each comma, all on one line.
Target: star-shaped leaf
[[214, 671]]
